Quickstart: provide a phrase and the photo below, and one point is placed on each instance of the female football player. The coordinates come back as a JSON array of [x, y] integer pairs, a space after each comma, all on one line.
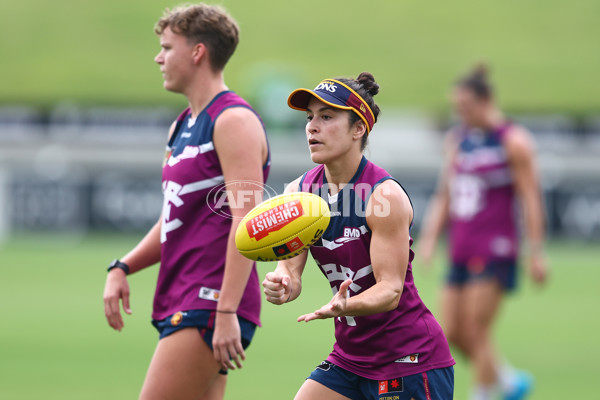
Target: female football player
[[490, 164], [207, 299], [388, 344]]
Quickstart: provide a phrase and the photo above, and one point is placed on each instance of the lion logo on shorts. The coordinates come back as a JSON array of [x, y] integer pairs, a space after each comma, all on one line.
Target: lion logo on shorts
[[177, 318]]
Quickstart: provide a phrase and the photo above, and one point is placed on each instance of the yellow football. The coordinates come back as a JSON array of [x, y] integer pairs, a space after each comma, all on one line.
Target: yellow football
[[282, 227]]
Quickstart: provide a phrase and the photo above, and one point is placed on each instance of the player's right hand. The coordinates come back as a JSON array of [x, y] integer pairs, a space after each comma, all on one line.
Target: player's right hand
[[115, 289], [277, 288]]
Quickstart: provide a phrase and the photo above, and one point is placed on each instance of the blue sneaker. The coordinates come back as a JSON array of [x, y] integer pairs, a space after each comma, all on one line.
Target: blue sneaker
[[523, 385]]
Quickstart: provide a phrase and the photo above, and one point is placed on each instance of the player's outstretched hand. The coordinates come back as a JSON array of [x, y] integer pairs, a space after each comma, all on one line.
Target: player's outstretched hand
[[334, 308], [277, 288], [115, 289]]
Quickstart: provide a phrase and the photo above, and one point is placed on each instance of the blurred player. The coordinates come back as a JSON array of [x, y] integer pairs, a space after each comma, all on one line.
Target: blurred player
[[490, 164], [388, 344], [207, 300]]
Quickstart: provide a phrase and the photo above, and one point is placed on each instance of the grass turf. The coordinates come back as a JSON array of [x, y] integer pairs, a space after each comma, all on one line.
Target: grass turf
[[543, 53], [55, 343]]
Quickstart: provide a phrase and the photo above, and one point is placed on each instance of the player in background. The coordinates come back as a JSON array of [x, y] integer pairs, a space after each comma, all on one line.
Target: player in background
[[207, 300], [490, 164], [388, 344]]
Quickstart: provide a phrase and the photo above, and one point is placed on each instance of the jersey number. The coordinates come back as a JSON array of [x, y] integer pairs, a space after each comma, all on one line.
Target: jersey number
[[466, 199]]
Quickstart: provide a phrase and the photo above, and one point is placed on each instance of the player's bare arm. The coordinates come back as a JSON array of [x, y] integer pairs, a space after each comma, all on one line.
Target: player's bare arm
[[438, 208], [240, 142], [143, 255], [389, 215], [520, 148]]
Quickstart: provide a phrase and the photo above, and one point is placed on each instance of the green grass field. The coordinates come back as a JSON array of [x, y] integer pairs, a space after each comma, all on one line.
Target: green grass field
[[544, 52], [55, 343]]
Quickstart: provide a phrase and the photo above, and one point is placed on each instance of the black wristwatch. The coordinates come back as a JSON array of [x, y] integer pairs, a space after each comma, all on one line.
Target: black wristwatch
[[118, 264]]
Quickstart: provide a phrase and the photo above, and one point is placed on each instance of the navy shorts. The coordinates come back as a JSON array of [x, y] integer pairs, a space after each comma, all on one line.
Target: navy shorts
[[204, 321], [504, 272], [433, 384]]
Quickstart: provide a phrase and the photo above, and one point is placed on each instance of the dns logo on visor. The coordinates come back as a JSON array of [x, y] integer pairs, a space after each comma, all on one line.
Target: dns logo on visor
[[328, 86]]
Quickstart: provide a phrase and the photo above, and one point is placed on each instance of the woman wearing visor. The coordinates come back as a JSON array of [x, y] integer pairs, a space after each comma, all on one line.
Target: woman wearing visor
[[388, 344]]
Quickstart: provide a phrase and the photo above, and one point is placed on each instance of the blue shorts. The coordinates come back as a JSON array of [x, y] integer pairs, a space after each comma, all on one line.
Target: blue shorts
[[432, 384], [504, 272], [204, 321]]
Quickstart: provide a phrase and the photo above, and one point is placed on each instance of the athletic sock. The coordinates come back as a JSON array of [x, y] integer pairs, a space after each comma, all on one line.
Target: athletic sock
[[507, 377], [485, 392]]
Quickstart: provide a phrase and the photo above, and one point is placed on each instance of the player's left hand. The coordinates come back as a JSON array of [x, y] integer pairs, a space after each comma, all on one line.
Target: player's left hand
[[227, 341], [334, 308]]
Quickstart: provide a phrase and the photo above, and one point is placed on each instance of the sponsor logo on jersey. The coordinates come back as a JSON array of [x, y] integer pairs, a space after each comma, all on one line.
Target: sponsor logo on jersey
[[274, 219], [349, 234], [501, 246], [391, 386], [209, 294], [352, 232], [410, 359]]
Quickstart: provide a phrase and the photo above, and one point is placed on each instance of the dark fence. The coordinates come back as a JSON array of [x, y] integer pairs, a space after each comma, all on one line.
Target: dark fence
[[132, 203], [76, 169]]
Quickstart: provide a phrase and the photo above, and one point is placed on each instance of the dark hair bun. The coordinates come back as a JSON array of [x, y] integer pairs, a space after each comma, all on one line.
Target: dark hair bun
[[366, 80], [480, 72], [477, 82]]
